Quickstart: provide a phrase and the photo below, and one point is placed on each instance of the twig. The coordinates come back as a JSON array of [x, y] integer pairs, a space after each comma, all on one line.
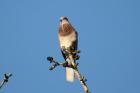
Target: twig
[[55, 63], [65, 64], [5, 79], [82, 80]]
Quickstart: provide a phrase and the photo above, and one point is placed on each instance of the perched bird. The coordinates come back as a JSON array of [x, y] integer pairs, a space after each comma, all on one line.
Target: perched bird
[[68, 39]]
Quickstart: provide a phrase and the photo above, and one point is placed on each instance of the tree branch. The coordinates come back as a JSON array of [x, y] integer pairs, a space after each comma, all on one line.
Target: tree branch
[[82, 80], [5, 79], [74, 66]]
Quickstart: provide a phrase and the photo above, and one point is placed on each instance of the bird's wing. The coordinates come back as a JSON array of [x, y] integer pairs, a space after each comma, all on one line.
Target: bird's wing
[[63, 54], [75, 43]]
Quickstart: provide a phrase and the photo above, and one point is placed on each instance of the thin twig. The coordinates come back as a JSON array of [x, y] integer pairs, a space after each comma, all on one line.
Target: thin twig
[[5, 79]]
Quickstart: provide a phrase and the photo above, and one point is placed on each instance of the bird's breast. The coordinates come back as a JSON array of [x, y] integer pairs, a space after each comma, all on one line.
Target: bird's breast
[[66, 41]]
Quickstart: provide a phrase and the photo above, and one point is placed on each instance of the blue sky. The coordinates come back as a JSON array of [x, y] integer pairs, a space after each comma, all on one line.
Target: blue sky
[[109, 38]]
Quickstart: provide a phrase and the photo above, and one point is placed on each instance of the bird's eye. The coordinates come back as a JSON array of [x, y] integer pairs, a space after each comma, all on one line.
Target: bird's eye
[[61, 20]]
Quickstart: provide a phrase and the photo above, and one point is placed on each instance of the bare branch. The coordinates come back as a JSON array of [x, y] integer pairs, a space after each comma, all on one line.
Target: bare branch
[[5, 79], [82, 80], [55, 63], [74, 66]]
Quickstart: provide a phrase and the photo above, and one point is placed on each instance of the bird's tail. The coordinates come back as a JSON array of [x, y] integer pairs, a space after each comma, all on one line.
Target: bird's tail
[[70, 74]]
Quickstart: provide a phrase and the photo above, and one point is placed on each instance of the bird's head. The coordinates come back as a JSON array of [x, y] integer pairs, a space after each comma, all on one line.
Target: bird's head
[[64, 20], [65, 26]]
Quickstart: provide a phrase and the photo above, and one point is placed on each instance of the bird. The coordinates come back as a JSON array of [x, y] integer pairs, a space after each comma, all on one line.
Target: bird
[[68, 39]]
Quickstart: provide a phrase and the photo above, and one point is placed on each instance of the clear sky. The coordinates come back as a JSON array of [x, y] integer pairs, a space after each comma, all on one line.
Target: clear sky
[[109, 38]]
